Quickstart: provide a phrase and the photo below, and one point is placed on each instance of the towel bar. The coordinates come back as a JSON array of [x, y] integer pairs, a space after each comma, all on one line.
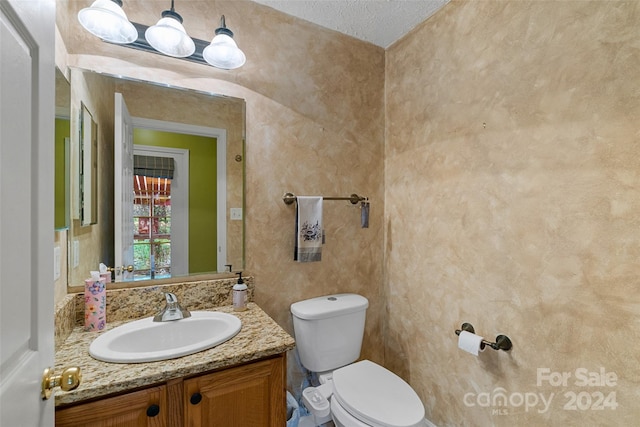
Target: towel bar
[[289, 198], [502, 341]]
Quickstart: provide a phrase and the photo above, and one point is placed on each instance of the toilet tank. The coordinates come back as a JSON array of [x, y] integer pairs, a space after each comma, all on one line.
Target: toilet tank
[[329, 330]]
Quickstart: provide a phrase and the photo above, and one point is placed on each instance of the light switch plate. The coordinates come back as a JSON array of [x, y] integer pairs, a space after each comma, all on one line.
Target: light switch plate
[[56, 263], [236, 214], [76, 253]]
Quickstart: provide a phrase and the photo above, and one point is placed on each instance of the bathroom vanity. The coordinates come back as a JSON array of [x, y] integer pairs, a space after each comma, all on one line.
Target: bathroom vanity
[[241, 382]]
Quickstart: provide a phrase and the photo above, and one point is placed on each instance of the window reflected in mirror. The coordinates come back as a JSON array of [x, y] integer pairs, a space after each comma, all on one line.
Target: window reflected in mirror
[[152, 227]]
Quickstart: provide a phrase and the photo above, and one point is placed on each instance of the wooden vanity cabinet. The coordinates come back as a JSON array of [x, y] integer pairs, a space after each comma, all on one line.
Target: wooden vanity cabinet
[[248, 395], [144, 408], [251, 395]]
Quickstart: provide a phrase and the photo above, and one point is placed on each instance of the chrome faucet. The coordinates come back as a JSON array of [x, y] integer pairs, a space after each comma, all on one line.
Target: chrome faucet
[[172, 311]]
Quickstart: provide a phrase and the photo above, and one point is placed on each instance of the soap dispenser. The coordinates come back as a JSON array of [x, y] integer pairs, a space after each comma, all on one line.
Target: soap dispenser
[[240, 294]]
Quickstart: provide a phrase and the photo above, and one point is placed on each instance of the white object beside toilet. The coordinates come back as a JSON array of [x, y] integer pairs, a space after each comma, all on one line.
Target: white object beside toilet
[[328, 332]]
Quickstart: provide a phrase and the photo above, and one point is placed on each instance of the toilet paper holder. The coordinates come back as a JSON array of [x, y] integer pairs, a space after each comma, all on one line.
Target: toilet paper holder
[[502, 341]]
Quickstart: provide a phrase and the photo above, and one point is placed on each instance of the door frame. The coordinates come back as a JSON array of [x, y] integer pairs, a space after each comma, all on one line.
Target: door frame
[[221, 179]]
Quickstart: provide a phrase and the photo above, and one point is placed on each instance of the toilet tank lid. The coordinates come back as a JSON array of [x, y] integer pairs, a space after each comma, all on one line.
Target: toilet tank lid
[[329, 306]]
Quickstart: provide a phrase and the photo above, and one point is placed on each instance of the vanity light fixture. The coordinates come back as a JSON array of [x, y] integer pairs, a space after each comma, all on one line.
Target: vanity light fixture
[[223, 51], [169, 36], [107, 20]]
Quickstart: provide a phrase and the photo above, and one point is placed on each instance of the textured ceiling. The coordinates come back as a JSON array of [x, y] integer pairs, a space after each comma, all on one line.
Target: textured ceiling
[[381, 22]]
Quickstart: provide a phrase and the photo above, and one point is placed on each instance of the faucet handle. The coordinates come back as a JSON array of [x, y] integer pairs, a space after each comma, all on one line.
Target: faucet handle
[[172, 311], [171, 298]]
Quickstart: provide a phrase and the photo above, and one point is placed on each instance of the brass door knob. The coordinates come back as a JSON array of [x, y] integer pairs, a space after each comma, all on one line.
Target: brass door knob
[[67, 381]]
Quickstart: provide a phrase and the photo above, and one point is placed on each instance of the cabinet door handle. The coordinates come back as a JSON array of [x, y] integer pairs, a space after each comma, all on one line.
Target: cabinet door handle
[[195, 398], [153, 410]]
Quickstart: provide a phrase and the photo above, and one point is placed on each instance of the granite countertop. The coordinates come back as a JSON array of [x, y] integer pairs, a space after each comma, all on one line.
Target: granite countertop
[[259, 337]]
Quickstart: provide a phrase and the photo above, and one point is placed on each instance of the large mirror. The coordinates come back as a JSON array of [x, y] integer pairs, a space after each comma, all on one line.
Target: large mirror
[[170, 201]]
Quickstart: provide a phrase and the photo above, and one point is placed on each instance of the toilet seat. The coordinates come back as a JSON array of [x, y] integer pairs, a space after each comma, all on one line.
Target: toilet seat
[[377, 396], [342, 418]]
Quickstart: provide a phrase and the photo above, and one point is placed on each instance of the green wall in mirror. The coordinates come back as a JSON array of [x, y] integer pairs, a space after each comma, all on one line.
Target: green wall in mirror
[[62, 153], [62, 133]]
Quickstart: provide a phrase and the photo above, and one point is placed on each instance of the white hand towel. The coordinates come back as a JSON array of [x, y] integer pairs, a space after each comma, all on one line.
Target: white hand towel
[[308, 229]]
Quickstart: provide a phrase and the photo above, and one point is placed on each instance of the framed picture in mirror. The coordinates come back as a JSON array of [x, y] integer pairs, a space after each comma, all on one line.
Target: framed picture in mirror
[[88, 166]]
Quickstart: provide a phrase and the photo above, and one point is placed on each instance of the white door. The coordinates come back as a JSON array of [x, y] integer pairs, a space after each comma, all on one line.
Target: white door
[[123, 189], [27, 83]]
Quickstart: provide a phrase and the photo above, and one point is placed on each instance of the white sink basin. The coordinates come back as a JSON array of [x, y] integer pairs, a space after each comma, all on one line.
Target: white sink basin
[[148, 341]]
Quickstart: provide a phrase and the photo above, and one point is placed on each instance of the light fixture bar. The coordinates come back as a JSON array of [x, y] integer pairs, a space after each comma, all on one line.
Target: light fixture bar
[[106, 20], [142, 44]]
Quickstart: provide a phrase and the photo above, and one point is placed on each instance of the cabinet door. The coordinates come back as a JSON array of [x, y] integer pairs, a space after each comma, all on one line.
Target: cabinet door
[[249, 395], [144, 408]]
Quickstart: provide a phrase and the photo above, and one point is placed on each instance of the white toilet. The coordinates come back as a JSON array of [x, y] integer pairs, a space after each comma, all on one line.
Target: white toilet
[[328, 332]]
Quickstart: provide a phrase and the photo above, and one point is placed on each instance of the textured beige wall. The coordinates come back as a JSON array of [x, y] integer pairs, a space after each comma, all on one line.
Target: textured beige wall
[[512, 195], [97, 95], [315, 126]]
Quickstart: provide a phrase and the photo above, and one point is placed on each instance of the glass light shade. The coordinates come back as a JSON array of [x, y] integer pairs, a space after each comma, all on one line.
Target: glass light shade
[[224, 53], [169, 37], [107, 20]]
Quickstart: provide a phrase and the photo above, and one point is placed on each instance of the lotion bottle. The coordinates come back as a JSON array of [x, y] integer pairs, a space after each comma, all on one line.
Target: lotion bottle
[[240, 294], [95, 302]]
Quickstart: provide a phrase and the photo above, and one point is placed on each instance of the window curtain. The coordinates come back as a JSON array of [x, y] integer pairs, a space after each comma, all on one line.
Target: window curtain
[[155, 167]]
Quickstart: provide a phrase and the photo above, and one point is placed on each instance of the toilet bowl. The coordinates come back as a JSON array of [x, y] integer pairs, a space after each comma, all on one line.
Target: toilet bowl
[[366, 394], [329, 332]]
